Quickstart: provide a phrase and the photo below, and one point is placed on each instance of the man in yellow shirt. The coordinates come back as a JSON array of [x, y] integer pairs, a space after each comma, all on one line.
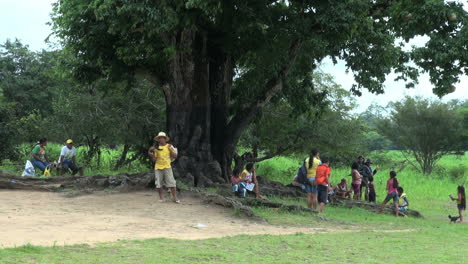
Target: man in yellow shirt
[[163, 154]]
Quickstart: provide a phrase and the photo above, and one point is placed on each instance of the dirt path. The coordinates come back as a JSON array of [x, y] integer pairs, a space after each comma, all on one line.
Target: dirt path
[[42, 218]]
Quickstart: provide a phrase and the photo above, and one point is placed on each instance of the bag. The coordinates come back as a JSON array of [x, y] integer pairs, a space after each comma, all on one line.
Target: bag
[[28, 170], [302, 175]]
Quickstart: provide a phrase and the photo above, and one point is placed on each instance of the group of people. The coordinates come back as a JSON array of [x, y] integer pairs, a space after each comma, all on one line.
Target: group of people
[[318, 187], [65, 163]]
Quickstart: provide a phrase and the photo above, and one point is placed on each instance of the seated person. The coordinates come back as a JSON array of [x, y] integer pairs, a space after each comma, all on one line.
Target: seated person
[[249, 177], [403, 201], [67, 160], [238, 187], [39, 158], [341, 189]]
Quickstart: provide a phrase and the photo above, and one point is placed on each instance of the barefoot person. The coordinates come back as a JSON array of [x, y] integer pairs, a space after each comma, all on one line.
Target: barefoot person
[[67, 160], [461, 201], [356, 182], [162, 153], [322, 179], [392, 193], [312, 163]]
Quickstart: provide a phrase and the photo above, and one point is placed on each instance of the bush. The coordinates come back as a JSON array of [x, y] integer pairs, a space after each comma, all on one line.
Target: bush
[[457, 173]]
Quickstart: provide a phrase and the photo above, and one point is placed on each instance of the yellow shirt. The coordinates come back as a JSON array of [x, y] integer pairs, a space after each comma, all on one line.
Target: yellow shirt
[[163, 156], [311, 172]]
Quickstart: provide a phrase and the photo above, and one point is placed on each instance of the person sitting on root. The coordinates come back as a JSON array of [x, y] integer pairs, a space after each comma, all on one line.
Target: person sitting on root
[[163, 154], [39, 158], [249, 177], [67, 159], [341, 189], [238, 187], [403, 203]]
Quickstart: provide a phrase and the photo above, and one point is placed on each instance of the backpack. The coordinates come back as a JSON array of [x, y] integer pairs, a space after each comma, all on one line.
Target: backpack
[[302, 175]]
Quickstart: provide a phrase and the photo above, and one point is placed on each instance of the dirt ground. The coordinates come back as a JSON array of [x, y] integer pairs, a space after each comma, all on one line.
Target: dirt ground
[[42, 218]]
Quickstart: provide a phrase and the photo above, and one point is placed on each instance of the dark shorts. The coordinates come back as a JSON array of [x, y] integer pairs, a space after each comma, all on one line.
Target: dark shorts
[[356, 187], [310, 188], [364, 182], [461, 207], [391, 196], [322, 193], [372, 196]]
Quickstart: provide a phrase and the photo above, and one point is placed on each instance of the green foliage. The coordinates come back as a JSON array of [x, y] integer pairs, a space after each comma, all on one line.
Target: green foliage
[[7, 132], [283, 130], [425, 129]]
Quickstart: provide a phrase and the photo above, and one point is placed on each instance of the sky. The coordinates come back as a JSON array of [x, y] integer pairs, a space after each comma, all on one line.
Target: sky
[[27, 21]]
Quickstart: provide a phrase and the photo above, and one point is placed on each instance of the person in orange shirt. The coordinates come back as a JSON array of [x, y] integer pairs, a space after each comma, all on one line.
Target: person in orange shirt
[[322, 179], [163, 154]]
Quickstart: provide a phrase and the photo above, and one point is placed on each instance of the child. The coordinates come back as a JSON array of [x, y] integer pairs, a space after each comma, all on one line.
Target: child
[[372, 194], [392, 192], [238, 187], [461, 201], [249, 177], [341, 189], [357, 179], [403, 201]]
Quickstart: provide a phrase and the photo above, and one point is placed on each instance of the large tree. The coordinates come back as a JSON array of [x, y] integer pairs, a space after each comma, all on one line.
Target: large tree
[[220, 62]]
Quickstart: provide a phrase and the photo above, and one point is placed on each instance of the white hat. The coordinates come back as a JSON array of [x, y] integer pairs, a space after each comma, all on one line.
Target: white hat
[[162, 134]]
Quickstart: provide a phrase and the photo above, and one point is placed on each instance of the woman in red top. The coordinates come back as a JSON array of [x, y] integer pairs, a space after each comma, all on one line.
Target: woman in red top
[[392, 192]]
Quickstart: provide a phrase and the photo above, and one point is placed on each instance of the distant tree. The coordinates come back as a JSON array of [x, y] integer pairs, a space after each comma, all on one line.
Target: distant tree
[[424, 129]]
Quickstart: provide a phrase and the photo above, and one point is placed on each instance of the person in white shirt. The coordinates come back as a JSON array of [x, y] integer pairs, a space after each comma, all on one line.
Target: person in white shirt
[[67, 160]]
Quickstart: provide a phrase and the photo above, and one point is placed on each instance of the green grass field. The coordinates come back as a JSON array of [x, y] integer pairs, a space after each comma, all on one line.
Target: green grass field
[[365, 237]]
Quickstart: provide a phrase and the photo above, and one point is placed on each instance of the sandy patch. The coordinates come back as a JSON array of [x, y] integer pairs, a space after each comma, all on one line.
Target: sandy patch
[[42, 218]]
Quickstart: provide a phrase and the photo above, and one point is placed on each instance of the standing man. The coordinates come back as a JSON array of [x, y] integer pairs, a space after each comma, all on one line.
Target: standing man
[[322, 179], [67, 160], [163, 154], [367, 177]]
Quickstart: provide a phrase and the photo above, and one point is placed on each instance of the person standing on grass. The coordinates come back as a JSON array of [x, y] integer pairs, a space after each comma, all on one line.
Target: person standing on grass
[[163, 154], [312, 163], [249, 177], [392, 193], [322, 179], [367, 176], [360, 162], [461, 201], [356, 181], [67, 160], [39, 158]]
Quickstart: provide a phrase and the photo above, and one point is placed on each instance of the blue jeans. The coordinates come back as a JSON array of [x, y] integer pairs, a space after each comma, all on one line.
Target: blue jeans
[[239, 189], [40, 164]]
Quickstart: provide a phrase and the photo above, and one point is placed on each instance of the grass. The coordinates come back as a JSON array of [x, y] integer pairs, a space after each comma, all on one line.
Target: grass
[[366, 238]]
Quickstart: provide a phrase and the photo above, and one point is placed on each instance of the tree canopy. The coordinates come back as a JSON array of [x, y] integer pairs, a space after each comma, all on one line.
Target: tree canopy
[[220, 63]]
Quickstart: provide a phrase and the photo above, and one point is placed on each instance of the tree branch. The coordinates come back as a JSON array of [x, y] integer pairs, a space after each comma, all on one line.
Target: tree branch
[[245, 115]]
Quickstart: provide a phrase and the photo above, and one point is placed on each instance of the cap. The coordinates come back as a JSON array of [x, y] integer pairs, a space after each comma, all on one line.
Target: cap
[[360, 157], [69, 141], [368, 161]]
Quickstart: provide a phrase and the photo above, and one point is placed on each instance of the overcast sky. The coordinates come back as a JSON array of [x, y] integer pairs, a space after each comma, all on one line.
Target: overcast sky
[[26, 20]]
